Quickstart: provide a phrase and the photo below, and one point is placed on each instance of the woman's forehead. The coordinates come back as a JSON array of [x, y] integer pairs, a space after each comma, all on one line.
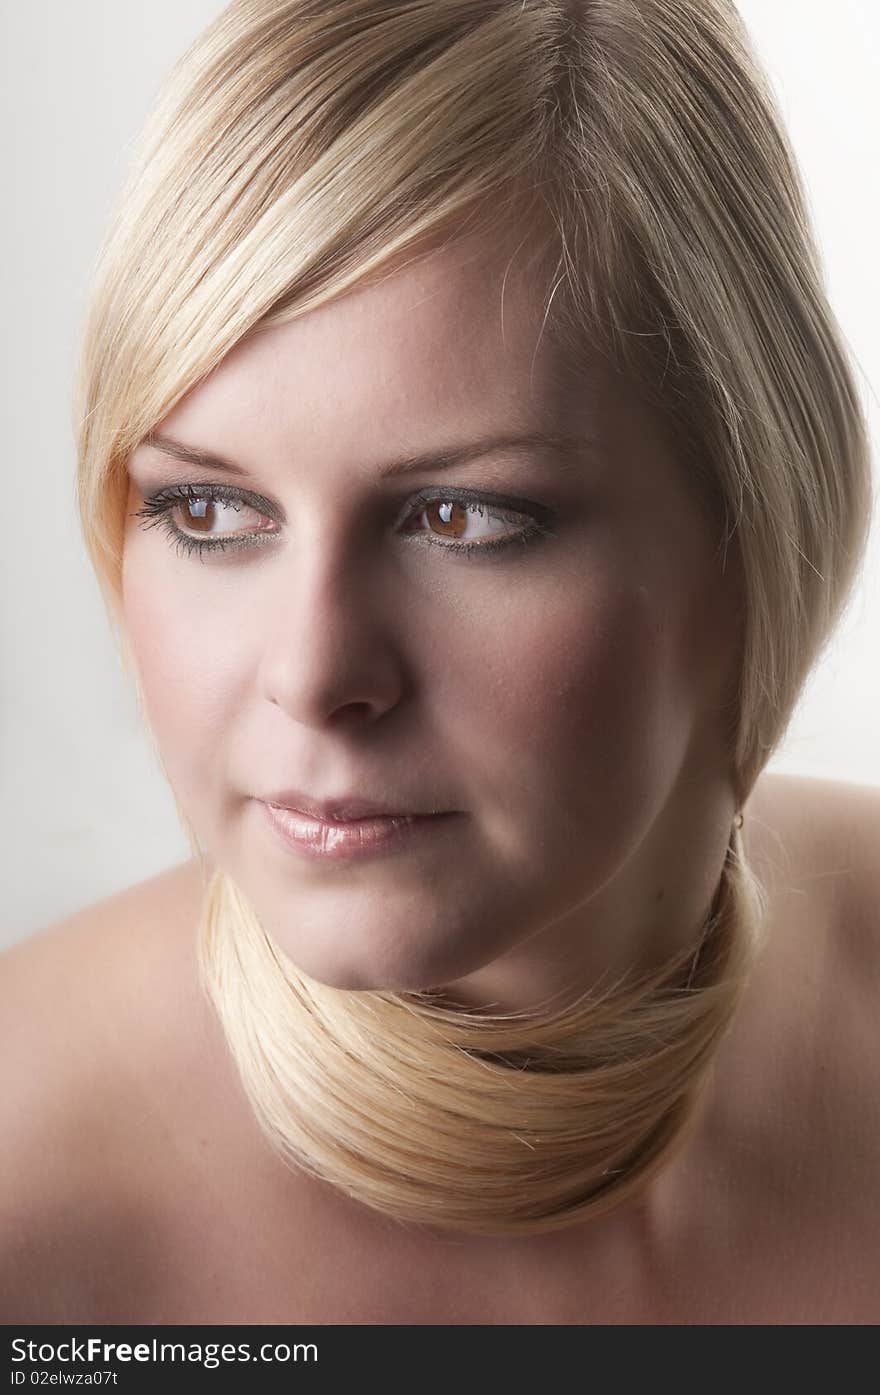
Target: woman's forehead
[[450, 347], [454, 338]]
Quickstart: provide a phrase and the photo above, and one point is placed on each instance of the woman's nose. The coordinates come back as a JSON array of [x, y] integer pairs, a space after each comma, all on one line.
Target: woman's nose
[[331, 652]]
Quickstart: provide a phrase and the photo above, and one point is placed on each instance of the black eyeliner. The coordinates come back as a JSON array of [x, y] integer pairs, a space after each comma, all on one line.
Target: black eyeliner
[[533, 519]]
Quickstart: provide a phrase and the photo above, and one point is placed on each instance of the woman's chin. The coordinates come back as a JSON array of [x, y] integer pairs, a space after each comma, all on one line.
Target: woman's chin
[[374, 972]]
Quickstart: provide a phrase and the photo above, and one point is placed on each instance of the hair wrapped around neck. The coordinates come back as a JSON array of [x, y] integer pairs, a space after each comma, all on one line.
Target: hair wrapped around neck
[[493, 1124]]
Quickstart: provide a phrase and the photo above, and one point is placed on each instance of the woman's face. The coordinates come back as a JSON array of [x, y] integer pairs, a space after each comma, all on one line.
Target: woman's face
[[560, 692]]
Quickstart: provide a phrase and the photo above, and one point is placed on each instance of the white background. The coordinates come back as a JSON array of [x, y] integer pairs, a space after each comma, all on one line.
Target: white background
[[85, 810]]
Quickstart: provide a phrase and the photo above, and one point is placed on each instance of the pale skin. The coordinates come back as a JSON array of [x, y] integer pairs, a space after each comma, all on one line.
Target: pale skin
[[567, 696]]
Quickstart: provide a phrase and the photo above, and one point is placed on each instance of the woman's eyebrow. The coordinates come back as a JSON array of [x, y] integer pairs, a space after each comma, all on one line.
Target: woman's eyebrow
[[568, 451]]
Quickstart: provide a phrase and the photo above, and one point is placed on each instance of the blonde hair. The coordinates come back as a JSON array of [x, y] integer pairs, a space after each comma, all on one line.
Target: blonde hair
[[301, 147]]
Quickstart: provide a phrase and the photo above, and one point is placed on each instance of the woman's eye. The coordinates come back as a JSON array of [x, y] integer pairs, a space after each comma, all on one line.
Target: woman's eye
[[196, 519], [463, 523], [190, 514], [200, 516]]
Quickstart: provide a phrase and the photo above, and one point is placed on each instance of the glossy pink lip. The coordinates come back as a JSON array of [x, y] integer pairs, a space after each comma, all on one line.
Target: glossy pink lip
[[354, 838], [343, 809]]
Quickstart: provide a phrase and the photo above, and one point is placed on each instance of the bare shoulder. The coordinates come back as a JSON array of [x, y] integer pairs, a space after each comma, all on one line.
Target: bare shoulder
[[819, 840], [83, 1003], [68, 992], [810, 1023], [824, 810], [783, 1179], [815, 846]]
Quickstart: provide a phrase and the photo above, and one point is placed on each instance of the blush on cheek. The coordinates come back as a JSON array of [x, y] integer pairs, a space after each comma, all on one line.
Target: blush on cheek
[[179, 698], [606, 695]]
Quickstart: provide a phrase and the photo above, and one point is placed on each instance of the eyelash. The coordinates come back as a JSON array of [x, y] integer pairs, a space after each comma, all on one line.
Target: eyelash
[[157, 510]]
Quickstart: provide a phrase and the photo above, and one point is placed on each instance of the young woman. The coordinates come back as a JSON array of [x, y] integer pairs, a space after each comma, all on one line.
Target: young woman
[[473, 470]]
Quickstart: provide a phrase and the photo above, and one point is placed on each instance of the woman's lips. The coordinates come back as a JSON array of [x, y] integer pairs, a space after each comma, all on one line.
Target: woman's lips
[[352, 838]]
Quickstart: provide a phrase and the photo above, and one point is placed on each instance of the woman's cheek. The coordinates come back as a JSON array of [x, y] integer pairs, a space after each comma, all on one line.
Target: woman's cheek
[[182, 655], [602, 686]]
